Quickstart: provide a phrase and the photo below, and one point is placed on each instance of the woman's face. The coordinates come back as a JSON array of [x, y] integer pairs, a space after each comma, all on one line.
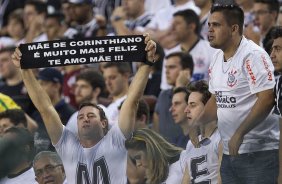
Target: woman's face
[[138, 158]]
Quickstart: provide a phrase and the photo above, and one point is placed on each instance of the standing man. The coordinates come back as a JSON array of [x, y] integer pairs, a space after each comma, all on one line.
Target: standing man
[[276, 57], [96, 155], [241, 83]]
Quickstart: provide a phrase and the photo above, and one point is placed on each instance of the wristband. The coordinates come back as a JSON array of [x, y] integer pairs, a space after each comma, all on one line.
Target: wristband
[[146, 62]]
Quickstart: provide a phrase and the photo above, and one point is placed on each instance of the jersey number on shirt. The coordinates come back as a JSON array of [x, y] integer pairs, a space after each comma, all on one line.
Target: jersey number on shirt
[[100, 173], [195, 172]]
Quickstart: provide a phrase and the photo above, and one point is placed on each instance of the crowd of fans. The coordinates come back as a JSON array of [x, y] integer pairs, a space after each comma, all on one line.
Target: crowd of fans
[[204, 112]]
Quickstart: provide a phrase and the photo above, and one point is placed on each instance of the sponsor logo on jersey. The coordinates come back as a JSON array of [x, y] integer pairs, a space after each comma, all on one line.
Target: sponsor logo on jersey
[[232, 81], [266, 67], [250, 72], [224, 101]]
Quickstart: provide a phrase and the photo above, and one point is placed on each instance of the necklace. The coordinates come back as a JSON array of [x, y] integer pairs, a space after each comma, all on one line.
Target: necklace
[[227, 63]]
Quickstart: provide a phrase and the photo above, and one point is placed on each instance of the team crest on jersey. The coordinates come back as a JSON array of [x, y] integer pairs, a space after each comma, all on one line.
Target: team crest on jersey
[[232, 81]]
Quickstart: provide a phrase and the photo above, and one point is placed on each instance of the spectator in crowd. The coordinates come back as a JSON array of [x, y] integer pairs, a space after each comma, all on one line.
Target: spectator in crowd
[[12, 118], [205, 6], [116, 76], [48, 168], [106, 155], [265, 16], [153, 155], [276, 58], [241, 83], [12, 84], [12, 115], [51, 81], [55, 27], [86, 23], [160, 25], [8, 6], [203, 164], [18, 160], [15, 29], [186, 29], [178, 105], [177, 64], [88, 87], [34, 15], [130, 18], [142, 119]]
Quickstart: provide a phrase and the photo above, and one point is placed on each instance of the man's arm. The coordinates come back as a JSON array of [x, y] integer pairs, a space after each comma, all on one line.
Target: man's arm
[[208, 115], [136, 89], [280, 153], [41, 101], [258, 113]]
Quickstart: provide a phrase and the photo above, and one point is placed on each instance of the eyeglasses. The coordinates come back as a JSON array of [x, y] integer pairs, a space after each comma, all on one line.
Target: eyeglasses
[[48, 169]]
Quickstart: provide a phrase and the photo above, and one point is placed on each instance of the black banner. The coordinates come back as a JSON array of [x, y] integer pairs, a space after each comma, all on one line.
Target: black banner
[[83, 51]]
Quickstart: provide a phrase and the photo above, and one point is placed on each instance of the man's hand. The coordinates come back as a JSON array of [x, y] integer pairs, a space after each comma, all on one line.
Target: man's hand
[[150, 48], [279, 179], [235, 143], [183, 78], [16, 58]]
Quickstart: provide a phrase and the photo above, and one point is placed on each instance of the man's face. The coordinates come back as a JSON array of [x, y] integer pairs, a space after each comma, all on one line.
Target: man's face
[[276, 54], [83, 91], [180, 29], [115, 81], [195, 106], [48, 171], [177, 108], [30, 15], [7, 69], [89, 123], [80, 12], [219, 31], [264, 18], [52, 27], [132, 8], [5, 123], [173, 68], [51, 88]]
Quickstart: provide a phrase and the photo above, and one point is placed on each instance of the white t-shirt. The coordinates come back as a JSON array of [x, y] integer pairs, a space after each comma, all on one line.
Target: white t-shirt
[[27, 177], [113, 111], [155, 5], [175, 174], [103, 163], [235, 84], [202, 54], [72, 122], [163, 18], [203, 162]]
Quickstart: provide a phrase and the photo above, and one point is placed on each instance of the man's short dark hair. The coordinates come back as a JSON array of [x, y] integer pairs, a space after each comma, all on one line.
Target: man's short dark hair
[[93, 77], [182, 90], [39, 6], [24, 141], [16, 116], [273, 5], [232, 13], [122, 68], [190, 17], [186, 60], [202, 87], [276, 32]]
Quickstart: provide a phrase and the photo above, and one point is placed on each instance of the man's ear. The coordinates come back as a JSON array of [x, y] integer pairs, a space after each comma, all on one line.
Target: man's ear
[[235, 28]]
